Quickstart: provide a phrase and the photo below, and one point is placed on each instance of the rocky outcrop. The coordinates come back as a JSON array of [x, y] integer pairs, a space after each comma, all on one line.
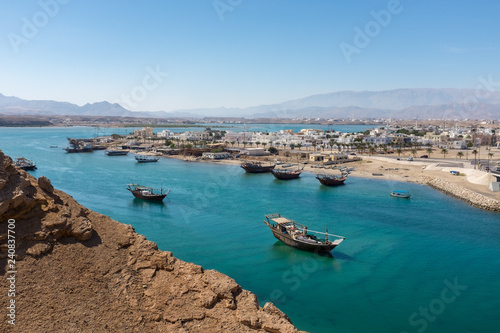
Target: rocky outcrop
[[80, 271], [473, 198]]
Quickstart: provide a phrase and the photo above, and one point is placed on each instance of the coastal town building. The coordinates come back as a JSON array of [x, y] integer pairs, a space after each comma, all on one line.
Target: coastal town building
[[145, 132], [216, 156]]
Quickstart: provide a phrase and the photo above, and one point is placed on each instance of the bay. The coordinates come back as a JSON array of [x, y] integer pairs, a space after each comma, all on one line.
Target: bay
[[429, 264]]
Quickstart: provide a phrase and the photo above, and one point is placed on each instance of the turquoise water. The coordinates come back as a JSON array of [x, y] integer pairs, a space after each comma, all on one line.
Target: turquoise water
[[94, 131], [400, 257]]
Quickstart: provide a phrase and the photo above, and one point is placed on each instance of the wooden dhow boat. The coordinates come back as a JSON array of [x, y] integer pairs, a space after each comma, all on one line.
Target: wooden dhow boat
[[147, 193], [79, 146], [25, 164], [116, 152], [286, 174], [257, 167], [332, 180], [297, 235], [146, 159]]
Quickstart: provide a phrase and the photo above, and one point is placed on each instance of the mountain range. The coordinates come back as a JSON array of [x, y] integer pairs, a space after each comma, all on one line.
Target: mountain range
[[424, 103]]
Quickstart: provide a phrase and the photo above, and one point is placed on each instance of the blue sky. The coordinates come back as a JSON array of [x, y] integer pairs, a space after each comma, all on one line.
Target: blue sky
[[183, 54]]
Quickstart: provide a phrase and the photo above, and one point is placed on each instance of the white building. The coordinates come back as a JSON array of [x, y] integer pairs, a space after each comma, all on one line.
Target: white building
[[254, 151]]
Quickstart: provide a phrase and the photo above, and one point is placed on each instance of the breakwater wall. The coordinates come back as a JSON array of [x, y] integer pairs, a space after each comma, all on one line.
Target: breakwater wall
[[475, 199]]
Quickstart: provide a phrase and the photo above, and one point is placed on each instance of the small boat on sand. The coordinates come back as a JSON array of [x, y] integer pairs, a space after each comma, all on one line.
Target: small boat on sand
[[147, 193], [25, 164], [146, 159], [257, 167], [401, 194], [332, 180], [297, 235]]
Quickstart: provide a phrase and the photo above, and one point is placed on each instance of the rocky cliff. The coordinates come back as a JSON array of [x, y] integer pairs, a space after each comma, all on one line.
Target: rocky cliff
[[80, 271]]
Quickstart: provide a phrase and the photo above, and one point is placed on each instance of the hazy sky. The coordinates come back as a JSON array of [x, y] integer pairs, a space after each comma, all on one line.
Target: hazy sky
[[167, 55]]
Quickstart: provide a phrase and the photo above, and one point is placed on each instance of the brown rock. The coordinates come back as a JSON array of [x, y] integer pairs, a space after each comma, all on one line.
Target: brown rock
[[116, 282], [38, 249], [45, 184]]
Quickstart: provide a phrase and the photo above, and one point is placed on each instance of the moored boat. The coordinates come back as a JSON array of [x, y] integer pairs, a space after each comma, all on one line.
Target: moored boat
[[146, 159], [147, 193], [116, 152], [401, 194], [79, 146], [25, 164], [286, 174], [257, 167], [332, 180], [79, 149], [297, 235]]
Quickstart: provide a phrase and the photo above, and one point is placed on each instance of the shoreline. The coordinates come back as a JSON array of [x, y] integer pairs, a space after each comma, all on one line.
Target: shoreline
[[471, 187]]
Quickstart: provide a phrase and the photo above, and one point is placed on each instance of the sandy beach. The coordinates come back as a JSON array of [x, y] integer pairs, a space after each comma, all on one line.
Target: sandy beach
[[421, 171]]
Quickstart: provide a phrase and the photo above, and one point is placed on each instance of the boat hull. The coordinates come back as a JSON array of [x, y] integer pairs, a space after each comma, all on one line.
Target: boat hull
[[257, 169], [79, 150], [147, 159], [288, 240], [331, 181], [285, 175], [152, 161], [153, 197], [400, 196], [116, 153], [29, 167]]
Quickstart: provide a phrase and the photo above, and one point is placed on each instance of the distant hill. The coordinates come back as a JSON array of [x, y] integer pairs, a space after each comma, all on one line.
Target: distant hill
[[16, 106], [398, 103]]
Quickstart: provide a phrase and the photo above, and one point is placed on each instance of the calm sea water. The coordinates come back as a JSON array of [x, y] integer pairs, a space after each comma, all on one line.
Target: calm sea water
[[428, 264]]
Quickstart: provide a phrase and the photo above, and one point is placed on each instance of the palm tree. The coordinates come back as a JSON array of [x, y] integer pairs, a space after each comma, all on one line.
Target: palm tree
[[372, 150], [460, 155], [257, 143], [490, 156], [475, 152], [331, 143], [399, 151], [444, 151], [299, 145], [244, 144], [429, 151], [414, 152], [232, 143]]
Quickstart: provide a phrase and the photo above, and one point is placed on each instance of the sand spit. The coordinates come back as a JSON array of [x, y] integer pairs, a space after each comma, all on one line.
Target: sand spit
[[473, 198], [80, 271]]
